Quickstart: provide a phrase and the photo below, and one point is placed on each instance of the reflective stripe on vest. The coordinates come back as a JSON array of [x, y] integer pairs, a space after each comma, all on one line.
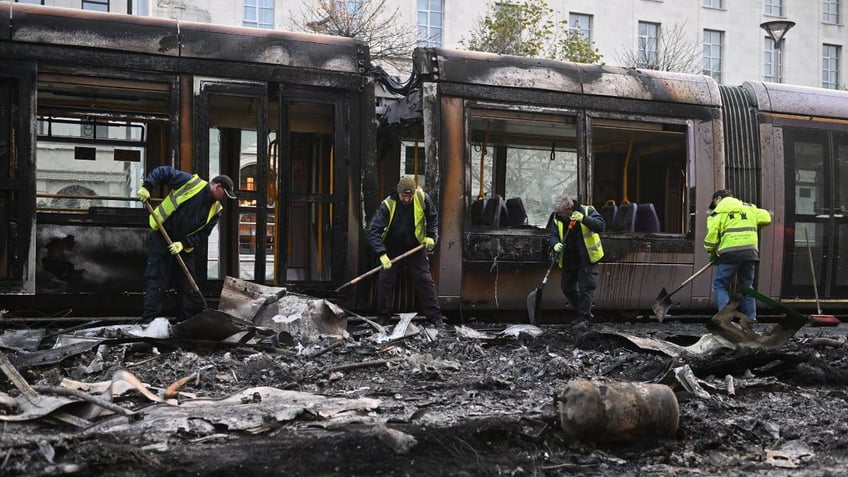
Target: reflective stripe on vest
[[418, 209], [176, 197], [591, 240]]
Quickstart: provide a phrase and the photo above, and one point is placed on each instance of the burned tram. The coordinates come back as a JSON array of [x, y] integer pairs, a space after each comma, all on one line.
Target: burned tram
[[92, 102], [496, 139]]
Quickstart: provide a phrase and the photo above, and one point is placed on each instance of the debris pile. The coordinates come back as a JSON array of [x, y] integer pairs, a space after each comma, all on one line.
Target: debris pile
[[296, 385]]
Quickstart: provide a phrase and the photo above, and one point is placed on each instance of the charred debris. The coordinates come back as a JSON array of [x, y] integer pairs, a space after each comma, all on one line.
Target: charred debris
[[281, 382]]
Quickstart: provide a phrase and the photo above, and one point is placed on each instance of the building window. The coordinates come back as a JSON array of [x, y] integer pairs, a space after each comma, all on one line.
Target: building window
[[773, 66], [714, 3], [430, 22], [830, 11], [31, 2], [830, 66], [259, 14], [774, 8], [648, 45], [581, 24], [712, 53], [96, 5]]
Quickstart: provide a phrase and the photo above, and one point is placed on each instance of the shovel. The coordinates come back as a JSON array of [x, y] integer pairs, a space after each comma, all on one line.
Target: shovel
[[663, 302], [818, 319], [534, 299], [380, 267], [208, 323]]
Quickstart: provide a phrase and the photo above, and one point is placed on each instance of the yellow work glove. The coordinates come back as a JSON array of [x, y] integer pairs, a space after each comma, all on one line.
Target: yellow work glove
[[429, 243], [576, 216], [558, 247], [385, 262], [175, 248], [143, 194]]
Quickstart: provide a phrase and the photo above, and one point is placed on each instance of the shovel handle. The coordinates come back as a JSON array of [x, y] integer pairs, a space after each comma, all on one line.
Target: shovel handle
[[380, 267], [694, 275], [177, 256]]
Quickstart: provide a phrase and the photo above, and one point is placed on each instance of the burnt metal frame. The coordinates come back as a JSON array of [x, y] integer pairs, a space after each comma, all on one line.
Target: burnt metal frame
[[20, 189]]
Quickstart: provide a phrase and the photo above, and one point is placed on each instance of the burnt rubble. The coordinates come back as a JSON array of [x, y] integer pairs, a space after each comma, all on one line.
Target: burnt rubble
[[306, 388]]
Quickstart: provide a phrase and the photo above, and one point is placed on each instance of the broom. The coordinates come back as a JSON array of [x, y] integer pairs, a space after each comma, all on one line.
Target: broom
[[817, 319]]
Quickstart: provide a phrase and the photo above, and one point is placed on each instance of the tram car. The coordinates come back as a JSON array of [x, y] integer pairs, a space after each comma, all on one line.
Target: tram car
[[92, 102], [495, 139]]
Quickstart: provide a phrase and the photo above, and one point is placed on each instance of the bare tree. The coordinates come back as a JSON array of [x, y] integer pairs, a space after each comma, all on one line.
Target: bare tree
[[674, 52], [389, 38]]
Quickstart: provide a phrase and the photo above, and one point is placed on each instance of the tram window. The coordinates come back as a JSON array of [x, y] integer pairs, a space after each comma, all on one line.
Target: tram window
[[84, 163], [95, 137], [530, 157], [640, 175]]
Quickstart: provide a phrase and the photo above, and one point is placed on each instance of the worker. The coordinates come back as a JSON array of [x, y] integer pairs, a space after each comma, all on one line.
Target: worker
[[731, 241], [574, 236], [188, 213], [405, 219]]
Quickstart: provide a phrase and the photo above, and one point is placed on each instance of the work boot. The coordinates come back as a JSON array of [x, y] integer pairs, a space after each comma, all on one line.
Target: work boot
[[436, 321]]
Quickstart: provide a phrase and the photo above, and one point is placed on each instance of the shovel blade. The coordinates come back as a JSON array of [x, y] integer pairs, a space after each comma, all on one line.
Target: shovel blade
[[534, 305], [661, 305]]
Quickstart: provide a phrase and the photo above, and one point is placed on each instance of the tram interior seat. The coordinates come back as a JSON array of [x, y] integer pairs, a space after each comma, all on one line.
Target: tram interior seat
[[490, 212], [608, 212], [625, 218], [517, 216], [646, 218]]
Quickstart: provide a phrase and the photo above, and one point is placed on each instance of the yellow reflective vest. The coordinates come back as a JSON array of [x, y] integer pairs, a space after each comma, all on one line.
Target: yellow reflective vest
[[591, 240], [176, 197], [732, 227], [418, 202]]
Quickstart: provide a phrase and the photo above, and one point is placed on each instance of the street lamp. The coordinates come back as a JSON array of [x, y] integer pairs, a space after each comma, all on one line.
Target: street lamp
[[777, 30]]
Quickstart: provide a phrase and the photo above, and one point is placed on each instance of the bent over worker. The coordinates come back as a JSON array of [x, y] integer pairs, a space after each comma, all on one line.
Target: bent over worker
[[405, 219], [580, 251], [188, 213], [732, 241]]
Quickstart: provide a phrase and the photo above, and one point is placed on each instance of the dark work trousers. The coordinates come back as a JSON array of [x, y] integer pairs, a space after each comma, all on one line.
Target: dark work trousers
[[578, 284], [162, 274], [417, 267]]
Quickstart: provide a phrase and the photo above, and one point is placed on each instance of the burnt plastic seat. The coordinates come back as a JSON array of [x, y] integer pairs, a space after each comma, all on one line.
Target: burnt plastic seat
[[489, 212], [625, 218], [515, 212], [608, 212], [646, 218]]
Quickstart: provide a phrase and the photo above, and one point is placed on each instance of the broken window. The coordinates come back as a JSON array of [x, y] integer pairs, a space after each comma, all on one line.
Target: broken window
[[640, 179], [93, 136], [520, 162]]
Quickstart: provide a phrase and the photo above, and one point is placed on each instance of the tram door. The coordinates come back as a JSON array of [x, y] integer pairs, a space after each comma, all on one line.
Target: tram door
[[17, 179], [289, 226], [313, 157], [816, 212], [232, 138]]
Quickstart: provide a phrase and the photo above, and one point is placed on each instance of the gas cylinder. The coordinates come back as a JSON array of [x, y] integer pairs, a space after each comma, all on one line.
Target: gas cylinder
[[617, 411]]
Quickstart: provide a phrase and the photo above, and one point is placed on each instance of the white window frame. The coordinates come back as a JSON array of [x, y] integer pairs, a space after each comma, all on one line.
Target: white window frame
[[773, 62], [719, 4], [580, 23], [830, 11], [713, 53], [648, 44], [429, 34], [256, 7], [95, 3], [774, 8], [830, 66]]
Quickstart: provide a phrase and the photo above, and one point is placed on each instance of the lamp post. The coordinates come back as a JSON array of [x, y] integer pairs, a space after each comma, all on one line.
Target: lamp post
[[776, 30]]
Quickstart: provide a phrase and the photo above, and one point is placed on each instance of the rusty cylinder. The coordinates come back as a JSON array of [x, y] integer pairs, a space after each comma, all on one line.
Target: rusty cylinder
[[617, 411]]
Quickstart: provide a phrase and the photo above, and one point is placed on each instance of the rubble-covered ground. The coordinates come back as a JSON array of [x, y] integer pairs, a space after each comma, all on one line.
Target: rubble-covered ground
[[437, 402]]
